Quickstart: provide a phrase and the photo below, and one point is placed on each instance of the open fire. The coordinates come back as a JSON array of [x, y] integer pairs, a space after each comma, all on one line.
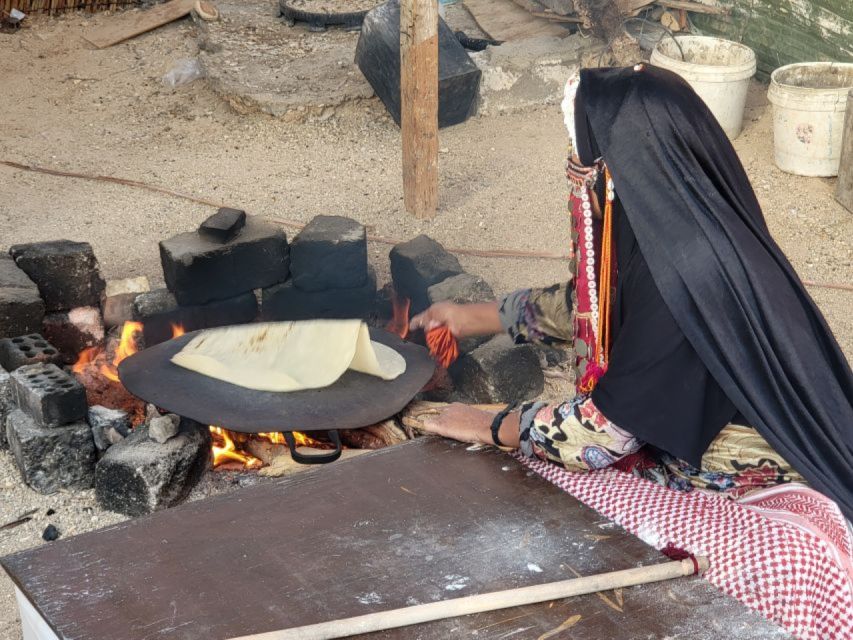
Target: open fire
[[97, 370]]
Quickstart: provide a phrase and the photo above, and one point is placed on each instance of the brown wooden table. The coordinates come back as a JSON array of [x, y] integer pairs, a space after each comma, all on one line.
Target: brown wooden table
[[419, 522]]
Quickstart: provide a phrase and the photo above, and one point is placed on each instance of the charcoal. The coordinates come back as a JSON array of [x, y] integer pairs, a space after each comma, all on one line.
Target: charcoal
[[66, 273], [49, 395], [138, 476], [224, 225], [158, 311], [109, 426], [21, 306], [73, 331], [7, 404], [50, 533], [23, 350], [287, 302], [417, 265], [378, 57], [161, 428], [118, 298], [498, 371], [198, 270], [329, 253], [52, 458]]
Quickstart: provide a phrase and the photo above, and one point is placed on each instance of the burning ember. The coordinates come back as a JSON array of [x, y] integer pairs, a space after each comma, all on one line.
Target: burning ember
[[230, 447], [399, 323], [97, 356]]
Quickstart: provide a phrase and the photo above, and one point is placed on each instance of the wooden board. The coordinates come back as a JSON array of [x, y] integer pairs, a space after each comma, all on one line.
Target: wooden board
[[132, 23], [415, 523], [504, 20]]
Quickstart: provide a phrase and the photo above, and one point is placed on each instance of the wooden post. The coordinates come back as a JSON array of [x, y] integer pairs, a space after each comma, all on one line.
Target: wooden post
[[844, 189], [419, 105]]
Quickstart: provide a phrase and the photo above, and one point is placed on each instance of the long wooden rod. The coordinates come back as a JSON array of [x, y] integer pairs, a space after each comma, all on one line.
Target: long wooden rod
[[418, 614]]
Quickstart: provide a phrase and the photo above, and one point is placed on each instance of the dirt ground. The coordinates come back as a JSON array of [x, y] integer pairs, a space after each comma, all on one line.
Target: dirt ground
[[67, 106]]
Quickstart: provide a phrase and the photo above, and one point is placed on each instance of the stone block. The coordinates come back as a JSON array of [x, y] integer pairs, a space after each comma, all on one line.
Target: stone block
[[73, 331], [66, 273], [7, 404], [139, 476], [23, 350], [497, 372], [224, 225], [417, 265], [54, 458], [329, 253], [287, 302], [109, 426], [49, 395], [199, 270], [158, 311], [118, 298], [161, 428], [21, 306], [461, 289]]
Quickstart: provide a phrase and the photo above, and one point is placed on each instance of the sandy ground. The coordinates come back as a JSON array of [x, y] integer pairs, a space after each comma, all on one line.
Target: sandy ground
[[67, 106]]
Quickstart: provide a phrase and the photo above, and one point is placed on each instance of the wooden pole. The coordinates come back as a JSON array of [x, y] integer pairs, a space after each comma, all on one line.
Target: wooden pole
[[844, 188], [417, 614], [419, 105]]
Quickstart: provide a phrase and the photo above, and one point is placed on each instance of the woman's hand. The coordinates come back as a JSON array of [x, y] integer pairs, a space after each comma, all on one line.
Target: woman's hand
[[463, 320]]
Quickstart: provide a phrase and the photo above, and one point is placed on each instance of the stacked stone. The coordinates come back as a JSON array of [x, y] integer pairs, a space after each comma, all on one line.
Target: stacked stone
[[67, 277], [212, 274], [489, 370], [330, 275]]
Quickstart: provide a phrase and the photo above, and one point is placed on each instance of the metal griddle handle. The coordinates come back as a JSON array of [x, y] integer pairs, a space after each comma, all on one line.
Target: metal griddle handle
[[317, 458]]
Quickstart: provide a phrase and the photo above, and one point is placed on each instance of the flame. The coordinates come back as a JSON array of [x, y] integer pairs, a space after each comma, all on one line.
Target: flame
[[301, 439], [177, 330], [126, 347], [86, 357], [225, 450], [399, 323]]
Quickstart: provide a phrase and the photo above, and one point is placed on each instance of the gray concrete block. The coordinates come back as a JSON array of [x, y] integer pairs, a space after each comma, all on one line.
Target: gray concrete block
[[7, 404], [66, 273], [329, 253], [199, 270], [417, 265], [21, 306], [49, 395], [50, 459], [23, 350], [139, 476], [498, 371]]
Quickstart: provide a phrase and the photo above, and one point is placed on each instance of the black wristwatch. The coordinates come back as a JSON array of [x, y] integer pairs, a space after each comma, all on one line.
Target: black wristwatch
[[498, 421]]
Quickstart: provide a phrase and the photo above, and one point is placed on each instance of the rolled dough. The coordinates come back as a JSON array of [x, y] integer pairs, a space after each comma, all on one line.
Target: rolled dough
[[289, 356]]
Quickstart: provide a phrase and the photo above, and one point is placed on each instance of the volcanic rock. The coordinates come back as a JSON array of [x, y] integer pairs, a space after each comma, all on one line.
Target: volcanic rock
[[50, 533], [66, 273], [21, 306], [109, 426], [329, 253], [224, 225], [498, 371], [161, 428], [199, 270], [461, 289], [418, 264], [288, 302], [51, 458], [139, 476]]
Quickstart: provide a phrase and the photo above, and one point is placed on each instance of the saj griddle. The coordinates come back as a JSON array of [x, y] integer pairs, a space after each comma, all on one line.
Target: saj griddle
[[354, 400]]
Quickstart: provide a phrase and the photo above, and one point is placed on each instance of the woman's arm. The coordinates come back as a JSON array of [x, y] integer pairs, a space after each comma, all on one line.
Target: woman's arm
[[463, 320]]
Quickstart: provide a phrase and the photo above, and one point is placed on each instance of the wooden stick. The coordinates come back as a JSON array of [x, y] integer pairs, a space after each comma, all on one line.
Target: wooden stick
[[418, 614], [419, 105]]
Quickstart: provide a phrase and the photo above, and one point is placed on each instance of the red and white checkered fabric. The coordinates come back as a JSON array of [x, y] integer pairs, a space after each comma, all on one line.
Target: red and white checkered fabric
[[784, 552]]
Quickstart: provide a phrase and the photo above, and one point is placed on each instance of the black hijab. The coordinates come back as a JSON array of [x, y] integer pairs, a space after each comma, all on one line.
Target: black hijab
[[727, 284]]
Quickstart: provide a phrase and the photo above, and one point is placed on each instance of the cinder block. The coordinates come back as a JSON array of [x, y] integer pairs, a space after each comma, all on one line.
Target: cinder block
[[49, 395], [7, 404], [21, 306], [329, 253], [288, 302], [66, 273], [138, 475], [198, 270], [23, 350], [53, 458], [417, 265]]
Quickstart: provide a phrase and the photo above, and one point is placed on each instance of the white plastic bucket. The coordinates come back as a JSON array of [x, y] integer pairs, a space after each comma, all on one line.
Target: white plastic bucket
[[718, 70], [809, 101]]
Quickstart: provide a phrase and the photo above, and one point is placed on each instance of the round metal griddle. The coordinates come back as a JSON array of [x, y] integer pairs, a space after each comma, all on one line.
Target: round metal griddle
[[355, 400]]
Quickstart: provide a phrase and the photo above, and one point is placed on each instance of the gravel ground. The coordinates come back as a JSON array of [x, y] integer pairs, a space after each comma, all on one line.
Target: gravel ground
[[69, 107]]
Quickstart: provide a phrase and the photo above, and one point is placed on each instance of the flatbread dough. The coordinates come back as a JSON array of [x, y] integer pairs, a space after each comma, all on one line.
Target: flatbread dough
[[289, 356]]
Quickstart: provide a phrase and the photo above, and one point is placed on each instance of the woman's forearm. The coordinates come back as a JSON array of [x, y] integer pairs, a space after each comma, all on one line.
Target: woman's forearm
[[481, 319]]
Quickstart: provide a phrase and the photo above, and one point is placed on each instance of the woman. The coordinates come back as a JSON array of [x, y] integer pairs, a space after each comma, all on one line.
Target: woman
[[687, 321]]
